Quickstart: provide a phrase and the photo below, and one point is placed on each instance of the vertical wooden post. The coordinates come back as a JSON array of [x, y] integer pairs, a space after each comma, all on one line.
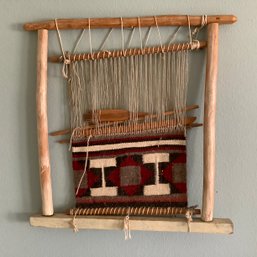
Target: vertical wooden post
[[42, 124], [209, 122]]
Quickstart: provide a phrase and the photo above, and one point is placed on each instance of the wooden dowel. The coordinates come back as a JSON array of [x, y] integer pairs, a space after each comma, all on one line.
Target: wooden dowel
[[209, 122], [60, 132], [133, 211], [130, 52], [164, 20], [42, 124]]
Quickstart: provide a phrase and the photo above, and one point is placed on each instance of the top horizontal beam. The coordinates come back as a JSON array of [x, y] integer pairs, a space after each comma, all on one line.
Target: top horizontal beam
[[150, 21]]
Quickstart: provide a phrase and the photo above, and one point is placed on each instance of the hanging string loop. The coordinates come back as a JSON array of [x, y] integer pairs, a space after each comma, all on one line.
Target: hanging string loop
[[127, 226], [122, 37], [204, 22], [159, 33], [65, 55]]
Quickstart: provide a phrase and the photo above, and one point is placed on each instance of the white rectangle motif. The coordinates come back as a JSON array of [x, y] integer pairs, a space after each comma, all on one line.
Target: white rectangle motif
[[102, 163], [155, 157], [160, 189], [104, 191]]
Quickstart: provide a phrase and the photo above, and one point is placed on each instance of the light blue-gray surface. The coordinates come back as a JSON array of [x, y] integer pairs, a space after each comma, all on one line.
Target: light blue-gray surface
[[236, 195]]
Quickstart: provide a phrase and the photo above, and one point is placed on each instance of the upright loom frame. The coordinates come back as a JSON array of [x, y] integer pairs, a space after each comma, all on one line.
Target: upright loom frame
[[204, 225]]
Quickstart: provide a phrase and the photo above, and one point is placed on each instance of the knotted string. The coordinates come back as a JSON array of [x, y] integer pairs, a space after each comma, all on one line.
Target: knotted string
[[66, 61], [127, 226], [74, 223], [189, 217], [195, 44], [204, 22]]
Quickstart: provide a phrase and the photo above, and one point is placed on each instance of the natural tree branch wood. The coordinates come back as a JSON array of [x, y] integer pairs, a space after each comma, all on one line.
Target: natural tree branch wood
[[217, 226], [95, 23], [42, 124], [209, 122], [130, 52]]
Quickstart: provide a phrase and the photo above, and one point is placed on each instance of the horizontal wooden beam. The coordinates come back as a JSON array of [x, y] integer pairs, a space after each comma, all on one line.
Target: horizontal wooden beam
[[150, 21], [130, 52], [217, 226]]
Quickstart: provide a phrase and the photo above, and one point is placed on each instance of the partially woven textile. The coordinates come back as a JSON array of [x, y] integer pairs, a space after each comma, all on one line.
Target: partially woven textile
[[139, 170]]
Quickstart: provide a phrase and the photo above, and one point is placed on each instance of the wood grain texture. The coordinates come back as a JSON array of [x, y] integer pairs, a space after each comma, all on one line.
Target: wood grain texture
[[164, 20], [42, 124], [209, 122], [217, 226]]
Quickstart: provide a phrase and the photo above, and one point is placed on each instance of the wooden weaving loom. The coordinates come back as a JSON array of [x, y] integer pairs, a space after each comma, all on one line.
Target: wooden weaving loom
[[167, 126]]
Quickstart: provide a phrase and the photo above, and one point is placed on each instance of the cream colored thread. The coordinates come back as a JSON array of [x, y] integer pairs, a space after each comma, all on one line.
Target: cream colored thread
[[204, 22], [140, 34], [71, 137], [101, 48], [195, 44], [173, 36], [128, 145], [127, 226], [74, 223], [130, 38], [78, 41], [147, 36], [189, 29], [159, 33], [66, 61], [90, 38], [122, 36], [189, 218], [85, 167]]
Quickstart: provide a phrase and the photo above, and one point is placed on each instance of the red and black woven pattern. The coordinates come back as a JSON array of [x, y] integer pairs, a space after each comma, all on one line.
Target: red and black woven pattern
[[131, 171]]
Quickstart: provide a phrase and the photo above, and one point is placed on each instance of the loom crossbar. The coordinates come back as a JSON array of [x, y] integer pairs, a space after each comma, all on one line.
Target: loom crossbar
[[130, 52], [100, 23], [217, 226]]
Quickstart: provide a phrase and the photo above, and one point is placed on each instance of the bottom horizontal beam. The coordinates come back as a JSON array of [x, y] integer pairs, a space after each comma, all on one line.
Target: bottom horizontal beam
[[217, 226]]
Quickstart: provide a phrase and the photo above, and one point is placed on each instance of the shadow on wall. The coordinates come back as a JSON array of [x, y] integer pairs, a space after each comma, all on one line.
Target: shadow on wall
[[28, 175]]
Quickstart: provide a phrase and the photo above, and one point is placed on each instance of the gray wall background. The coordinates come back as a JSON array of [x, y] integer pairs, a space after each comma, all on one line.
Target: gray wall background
[[236, 196]]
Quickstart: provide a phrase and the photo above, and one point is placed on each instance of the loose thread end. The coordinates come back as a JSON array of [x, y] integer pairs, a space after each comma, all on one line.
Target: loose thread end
[[189, 218], [127, 228]]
